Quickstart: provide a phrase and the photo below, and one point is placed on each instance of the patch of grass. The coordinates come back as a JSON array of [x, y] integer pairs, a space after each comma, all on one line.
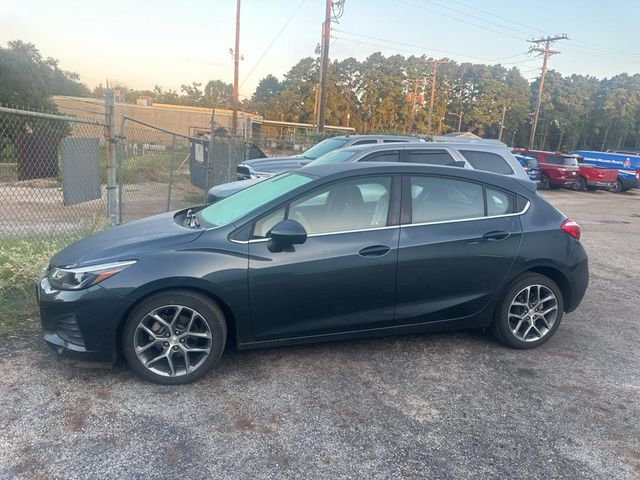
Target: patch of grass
[[21, 263]]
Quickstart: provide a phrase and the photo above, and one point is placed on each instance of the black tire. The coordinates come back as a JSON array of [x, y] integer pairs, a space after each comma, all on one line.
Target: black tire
[[617, 188], [582, 184], [501, 326], [591, 188], [544, 182], [207, 311]]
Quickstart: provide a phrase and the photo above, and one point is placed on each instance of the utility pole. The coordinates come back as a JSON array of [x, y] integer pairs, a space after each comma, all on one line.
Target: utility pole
[[504, 112], [324, 65], [414, 99], [435, 64], [332, 12], [546, 52], [236, 62]]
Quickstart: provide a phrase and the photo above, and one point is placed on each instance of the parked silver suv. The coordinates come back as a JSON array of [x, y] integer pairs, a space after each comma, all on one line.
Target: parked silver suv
[[476, 156], [266, 167]]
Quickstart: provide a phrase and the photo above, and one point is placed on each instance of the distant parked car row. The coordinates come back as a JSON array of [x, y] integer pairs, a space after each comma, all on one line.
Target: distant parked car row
[[581, 169]]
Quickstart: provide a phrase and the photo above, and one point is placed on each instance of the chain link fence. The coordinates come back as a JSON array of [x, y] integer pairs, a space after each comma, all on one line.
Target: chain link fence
[[52, 175], [54, 172]]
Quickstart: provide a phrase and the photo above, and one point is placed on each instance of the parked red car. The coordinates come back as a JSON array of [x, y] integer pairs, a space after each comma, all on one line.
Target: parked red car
[[592, 178], [558, 169]]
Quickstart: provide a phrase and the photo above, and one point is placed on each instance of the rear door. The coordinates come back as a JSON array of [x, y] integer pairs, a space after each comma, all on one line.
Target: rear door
[[458, 241]]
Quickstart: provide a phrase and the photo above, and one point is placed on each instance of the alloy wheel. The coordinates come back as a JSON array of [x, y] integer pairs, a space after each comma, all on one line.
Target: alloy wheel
[[172, 340], [532, 313]]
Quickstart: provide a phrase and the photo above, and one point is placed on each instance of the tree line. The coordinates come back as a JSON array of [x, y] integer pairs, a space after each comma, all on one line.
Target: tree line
[[385, 94]]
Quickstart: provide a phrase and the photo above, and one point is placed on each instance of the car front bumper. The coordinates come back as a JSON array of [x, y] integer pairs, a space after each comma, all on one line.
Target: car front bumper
[[81, 325]]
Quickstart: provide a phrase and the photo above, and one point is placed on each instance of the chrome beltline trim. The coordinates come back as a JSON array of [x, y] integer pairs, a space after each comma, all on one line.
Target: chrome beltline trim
[[524, 210]]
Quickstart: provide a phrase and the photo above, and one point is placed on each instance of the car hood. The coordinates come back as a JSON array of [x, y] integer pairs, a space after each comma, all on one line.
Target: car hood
[[126, 242], [226, 189], [277, 164]]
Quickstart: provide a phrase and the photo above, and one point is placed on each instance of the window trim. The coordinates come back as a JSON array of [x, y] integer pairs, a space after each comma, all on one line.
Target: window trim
[[406, 213], [505, 215]]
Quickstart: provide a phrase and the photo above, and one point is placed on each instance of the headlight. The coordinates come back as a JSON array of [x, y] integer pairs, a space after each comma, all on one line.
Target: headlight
[[83, 277]]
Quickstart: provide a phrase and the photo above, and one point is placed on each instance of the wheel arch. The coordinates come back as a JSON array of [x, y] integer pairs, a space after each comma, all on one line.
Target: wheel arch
[[192, 285], [559, 279]]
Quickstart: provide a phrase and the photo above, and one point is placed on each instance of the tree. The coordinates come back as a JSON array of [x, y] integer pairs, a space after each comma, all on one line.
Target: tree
[[28, 80], [217, 94]]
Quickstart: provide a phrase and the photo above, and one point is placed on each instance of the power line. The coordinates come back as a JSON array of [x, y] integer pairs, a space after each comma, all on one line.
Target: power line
[[459, 19], [275, 39], [420, 47], [529, 27]]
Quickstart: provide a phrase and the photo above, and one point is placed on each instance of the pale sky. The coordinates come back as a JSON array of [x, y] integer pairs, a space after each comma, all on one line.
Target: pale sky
[[142, 42]]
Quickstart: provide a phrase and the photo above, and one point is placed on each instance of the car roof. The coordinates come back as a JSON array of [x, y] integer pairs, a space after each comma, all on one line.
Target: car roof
[[339, 170], [483, 147], [390, 137]]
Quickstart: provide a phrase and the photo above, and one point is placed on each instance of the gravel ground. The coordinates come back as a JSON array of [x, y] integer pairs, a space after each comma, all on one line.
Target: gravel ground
[[453, 405]]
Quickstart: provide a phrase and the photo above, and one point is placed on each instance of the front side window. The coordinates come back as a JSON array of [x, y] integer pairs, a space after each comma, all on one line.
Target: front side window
[[239, 204], [337, 156], [487, 161], [436, 199], [344, 206], [323, 147]]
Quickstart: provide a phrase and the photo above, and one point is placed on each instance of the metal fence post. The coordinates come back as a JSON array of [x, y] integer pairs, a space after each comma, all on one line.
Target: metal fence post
[[173, 154], [111, 157]]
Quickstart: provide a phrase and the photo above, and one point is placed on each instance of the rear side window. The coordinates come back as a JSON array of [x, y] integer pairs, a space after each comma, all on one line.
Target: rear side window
[[436, 199], [499, 202], [393, 140], [487, 161], [430, 157], [365, 142], [393, 156]]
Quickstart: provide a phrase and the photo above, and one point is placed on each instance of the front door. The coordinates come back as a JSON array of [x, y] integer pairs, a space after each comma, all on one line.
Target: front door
[[457, 244], [342, 278]]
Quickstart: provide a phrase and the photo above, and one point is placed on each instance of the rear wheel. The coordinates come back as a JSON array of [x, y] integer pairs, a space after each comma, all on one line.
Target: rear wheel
[[174, 337], [529, 312], [544, 182], [582, 184], [617, 187]]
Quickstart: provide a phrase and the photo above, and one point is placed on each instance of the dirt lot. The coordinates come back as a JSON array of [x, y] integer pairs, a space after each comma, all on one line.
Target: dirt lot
[[454, 405]]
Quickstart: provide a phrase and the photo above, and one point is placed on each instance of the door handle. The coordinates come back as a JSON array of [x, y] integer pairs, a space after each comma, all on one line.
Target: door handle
[[495, 236], [374, 251]]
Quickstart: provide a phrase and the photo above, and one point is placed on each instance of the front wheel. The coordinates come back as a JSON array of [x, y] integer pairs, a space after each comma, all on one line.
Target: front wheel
[[174, 337], [581, 185], [529, 312]]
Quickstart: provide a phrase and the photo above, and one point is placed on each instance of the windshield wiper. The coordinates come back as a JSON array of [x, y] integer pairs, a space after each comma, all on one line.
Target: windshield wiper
[[190, 220]]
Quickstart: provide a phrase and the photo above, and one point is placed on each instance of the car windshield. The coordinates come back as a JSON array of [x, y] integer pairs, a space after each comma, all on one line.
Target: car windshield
[[570, 161], [337, 156], [323, 147], [239, 204], [532, 162]]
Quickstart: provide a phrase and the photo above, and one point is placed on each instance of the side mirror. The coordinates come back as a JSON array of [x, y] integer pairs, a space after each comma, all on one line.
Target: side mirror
[[287, 233]]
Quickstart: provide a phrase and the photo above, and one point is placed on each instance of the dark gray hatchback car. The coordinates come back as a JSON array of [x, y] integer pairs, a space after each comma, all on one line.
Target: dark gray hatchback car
[[323, 253]]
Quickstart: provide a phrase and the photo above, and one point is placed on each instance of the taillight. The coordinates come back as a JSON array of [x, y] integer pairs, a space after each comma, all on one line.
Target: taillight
[[572, 228]]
